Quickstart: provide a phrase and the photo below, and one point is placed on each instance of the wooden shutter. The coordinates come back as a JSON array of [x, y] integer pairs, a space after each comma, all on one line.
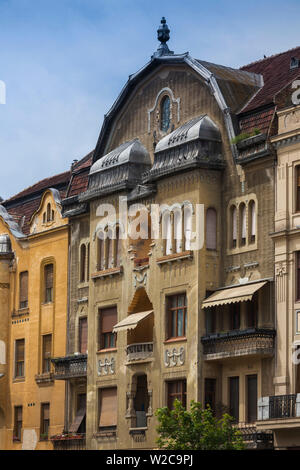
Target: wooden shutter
[[19, 412], [46, 411], [78, 420], [83, 334], [211, 229], [108, 407], [109, 319], [23, 287], [49, 276], [20, 350]]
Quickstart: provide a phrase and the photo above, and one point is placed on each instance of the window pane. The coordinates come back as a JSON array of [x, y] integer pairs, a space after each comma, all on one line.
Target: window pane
[[174, 333], [180, 322]]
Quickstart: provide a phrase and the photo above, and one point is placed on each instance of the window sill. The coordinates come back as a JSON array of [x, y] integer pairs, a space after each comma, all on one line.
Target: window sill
[[107, 273], [44, 379], [179, 339], [175, 257], [138, 430], [100, 351], [18, 379], [47, 303], [109, 432], [21, 312]]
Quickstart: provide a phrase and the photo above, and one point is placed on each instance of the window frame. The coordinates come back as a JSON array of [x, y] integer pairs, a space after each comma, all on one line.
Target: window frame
[[17, 362], [170, 317], [48, 291], [21, 302], [17, 431], [108, 335], [46, 360], [171, 396], [42, 423]]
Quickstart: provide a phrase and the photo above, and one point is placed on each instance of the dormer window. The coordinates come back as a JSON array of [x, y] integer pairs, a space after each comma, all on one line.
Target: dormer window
[[294, 64], [165, 114]]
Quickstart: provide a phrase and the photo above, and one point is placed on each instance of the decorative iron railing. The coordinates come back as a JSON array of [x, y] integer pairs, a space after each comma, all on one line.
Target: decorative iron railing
[[70, 367], [249, 433], [282, 406], [139, 351], [238, 343], [69, 442]]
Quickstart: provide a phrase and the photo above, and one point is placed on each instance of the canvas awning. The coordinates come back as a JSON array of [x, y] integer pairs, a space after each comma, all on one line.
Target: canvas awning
[[131, 322], [240, 293]]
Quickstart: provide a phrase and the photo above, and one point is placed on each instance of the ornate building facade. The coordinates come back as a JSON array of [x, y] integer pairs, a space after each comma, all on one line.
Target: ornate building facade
[[179, 256]]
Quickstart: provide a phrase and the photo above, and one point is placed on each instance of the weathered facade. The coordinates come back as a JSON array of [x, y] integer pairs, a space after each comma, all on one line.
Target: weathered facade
[[33, 298]]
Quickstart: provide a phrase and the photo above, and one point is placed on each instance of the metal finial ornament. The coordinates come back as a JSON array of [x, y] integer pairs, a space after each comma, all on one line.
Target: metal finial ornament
[[163, 35], [163, 32]]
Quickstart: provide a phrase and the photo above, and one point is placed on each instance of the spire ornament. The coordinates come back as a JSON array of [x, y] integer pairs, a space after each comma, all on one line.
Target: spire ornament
[[163, 35]]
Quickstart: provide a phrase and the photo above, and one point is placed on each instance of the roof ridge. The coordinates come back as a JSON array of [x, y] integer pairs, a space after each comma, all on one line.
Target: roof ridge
[[19, 194], [269, 57]]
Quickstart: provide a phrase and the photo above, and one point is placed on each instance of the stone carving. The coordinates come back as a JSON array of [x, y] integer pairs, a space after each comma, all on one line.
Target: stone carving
[[107, 367], [174, 358], [281, 269], [140, 279]]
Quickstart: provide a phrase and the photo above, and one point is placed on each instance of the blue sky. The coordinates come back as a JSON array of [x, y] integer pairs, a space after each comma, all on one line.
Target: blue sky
[[65, 61]]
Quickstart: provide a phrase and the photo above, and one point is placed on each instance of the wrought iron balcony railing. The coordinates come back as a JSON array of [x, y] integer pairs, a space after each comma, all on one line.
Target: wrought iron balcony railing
[[69, 441], [139, 351], [279, 407], [238, 343], [70, 367]]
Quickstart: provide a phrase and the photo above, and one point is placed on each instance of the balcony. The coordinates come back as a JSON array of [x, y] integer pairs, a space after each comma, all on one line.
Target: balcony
[[279, 407], [70, 367], [139, 351], [238, 343], [72, 441]]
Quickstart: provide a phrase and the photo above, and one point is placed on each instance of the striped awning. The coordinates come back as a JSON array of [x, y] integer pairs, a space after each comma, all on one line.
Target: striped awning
[[131, 322], [240, 293]]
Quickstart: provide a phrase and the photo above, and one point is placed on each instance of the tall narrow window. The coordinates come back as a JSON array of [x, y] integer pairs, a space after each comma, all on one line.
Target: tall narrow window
[[233, 226], [252, 311], [110, 250], [18, 423], [178, 230], [45, 421], [24, 289], [187, 227], [298, 275], [243, 224], [79, 423], [82, 262], [118, 246], [167, 233], [46, 351], [108, 407], [210, 320], [252, 398], [177, 315], [211, 229], [165, 114], [298, 188], [234, 400], [234, 316], [176, 389], [210, 393], [252, 222], [88, 263], [48, 272], [101, 252], [108, 318], [83, 330], [19, 358], [48, 212]]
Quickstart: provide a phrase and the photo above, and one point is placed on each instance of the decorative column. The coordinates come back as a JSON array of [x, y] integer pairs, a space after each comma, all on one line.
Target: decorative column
[[150, 410], [130, 413]]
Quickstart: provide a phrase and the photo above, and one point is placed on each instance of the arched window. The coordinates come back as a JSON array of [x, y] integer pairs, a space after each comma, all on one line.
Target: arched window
[[211, 229], [118, 247], [110, 252], [242, 224], [165, 114], [167, 232], [233, 228], [88, 262], [82, 262], [252, 222], [101, 251]]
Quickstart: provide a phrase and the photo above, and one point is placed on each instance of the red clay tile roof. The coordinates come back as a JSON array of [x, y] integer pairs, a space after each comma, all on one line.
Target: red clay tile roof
[[276, 73], [260, 120], [80, 175], [23, 213]]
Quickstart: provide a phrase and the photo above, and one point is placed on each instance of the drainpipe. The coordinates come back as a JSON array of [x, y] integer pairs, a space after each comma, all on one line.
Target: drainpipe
[[67, 387]]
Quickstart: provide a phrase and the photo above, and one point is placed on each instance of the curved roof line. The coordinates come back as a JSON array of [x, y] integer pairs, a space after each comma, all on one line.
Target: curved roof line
[[56, 197], [154, 62], [13, 226]]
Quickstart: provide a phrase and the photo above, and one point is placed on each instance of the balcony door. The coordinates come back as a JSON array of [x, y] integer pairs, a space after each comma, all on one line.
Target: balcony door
[[234, 397], [251, 398]]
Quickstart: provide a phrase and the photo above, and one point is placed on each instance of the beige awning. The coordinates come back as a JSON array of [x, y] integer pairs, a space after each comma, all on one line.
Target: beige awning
[[131, 322], [240, 293]]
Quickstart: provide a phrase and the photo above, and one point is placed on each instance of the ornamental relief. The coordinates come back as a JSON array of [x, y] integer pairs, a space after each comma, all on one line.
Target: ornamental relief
[[174, 357], [108, 366]]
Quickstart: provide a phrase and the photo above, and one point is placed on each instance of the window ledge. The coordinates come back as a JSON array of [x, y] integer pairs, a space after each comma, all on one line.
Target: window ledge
[[19, 379], [108, 350], [20, 312], [45, 378], [180, 339], [138, 430], [107, 272], [175, 257], [106, 433]]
